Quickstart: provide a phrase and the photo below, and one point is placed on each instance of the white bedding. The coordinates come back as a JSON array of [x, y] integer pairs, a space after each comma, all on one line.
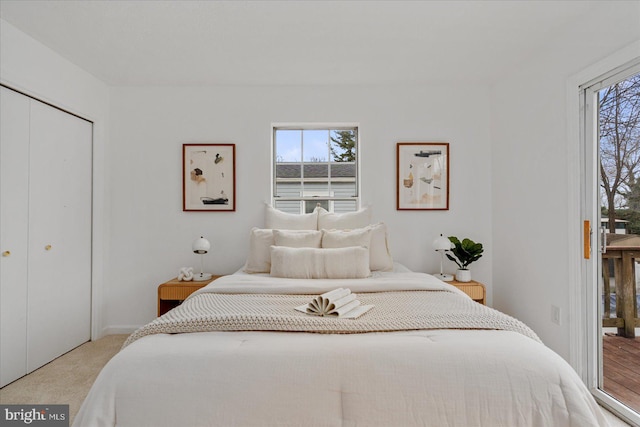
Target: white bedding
[[437, 377]]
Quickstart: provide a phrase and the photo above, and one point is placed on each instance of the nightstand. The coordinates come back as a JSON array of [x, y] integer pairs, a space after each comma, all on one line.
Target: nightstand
[[173, 292], [474, 289]]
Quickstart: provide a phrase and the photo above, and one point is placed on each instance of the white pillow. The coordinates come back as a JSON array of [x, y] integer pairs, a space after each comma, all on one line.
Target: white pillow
[[377, 242], [276, 219], [379, 249], [313, 263], [331, 220], [297, 238], [259, 259], [346, 238]]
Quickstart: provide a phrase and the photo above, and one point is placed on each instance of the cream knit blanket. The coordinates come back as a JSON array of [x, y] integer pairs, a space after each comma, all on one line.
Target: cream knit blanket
[[393, 311]]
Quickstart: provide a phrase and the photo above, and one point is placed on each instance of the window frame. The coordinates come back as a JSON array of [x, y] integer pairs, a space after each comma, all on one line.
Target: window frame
[[303, 199]]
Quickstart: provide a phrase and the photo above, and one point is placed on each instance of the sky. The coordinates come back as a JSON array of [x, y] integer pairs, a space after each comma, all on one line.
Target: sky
[[289, 147]]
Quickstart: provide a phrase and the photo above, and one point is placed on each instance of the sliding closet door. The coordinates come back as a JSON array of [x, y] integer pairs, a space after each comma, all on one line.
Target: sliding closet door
[[14, 224], [59, 295]]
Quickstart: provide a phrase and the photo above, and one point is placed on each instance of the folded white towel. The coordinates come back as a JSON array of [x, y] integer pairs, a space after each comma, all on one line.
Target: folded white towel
[[337, 303]]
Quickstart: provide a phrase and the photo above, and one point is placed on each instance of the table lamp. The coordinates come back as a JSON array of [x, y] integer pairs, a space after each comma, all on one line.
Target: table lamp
[[201, 246], [442, 244]]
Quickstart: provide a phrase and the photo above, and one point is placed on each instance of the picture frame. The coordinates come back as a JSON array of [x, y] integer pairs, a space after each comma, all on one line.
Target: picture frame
[[209, 177], [422, 176]]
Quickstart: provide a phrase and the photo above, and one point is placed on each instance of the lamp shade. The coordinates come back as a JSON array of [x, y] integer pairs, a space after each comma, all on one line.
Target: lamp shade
[[441, 243], [201, 245]]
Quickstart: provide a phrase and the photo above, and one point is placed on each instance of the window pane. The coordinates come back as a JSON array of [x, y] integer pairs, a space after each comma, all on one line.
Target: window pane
[[343, 146], [288, 145], [288, 180], [340, 206], [288, 206], [343, 188], [618, 143], [310, 205], [288, 189], [315, 171], [315, 146], [313, 189], [288, 170]]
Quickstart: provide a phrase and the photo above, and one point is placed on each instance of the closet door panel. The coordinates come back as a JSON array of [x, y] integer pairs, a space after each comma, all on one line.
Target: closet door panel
[[14, 216], [59, 316]]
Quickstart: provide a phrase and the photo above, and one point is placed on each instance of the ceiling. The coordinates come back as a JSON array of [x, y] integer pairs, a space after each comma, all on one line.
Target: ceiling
[[187, 43]]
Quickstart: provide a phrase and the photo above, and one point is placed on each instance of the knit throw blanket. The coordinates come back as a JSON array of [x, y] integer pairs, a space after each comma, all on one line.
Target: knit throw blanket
[[392, 311]]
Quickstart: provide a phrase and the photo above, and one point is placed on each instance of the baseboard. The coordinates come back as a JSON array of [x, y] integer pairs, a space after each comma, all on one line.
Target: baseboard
[[119, 329]]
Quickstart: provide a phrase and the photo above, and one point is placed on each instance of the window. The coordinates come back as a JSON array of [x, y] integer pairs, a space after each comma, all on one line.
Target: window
[[315, 166]]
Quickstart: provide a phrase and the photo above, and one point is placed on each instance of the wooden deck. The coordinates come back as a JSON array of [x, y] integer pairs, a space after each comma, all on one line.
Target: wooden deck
[[621, 369]]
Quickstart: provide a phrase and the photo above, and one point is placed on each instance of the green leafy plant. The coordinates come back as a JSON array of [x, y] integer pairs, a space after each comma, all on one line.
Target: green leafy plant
[[465, 252]]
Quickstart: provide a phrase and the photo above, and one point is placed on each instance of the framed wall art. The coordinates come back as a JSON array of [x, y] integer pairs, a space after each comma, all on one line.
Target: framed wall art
[[422, 176], [209, 177]]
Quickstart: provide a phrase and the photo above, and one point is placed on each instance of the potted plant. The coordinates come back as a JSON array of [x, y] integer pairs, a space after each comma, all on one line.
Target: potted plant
[[464, 253]]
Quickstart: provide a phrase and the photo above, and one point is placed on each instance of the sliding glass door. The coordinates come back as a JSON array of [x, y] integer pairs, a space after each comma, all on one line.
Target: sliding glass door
[[611, 179]]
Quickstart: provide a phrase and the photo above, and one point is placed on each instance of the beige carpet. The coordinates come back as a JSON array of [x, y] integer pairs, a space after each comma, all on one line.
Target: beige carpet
[[65, 380]]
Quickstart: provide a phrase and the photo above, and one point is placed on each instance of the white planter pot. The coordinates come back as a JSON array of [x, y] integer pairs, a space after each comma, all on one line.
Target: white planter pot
[[463, 275]]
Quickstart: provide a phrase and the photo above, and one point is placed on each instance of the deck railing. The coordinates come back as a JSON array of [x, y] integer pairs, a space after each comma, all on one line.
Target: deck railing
[[624, 274]]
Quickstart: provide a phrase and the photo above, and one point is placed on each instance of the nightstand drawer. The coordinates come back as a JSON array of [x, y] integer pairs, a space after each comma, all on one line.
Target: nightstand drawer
[[173, 292], [475, 290], [178, 292]]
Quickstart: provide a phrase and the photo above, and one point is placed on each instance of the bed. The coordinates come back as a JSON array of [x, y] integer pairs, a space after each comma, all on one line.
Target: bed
[[237, 353]]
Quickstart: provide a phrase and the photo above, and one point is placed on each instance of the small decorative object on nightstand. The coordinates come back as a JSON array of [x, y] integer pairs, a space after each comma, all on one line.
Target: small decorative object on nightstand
[[442, 244], [475, 290], [185, 274], [464, 253], [173, 292]]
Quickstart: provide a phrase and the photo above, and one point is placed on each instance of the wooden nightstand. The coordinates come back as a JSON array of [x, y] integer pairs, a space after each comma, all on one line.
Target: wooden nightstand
[[474, 289], [173, 292]]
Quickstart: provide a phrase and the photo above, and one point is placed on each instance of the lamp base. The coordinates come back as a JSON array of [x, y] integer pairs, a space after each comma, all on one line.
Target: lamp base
[[200, 277], [441, 276]]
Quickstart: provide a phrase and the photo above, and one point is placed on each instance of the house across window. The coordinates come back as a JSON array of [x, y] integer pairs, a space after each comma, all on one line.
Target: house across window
[[315, 167], [621, 225]]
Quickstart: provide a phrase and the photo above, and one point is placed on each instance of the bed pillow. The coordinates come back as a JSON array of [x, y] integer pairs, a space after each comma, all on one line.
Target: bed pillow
[[297, 238], [381, 259], [332, 220], [373, 236], [259, 259], [276, 219], [314, 263], [346, 238]]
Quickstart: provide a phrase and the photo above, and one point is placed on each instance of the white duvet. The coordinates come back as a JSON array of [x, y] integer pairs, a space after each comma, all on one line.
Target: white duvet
[[437, 378]]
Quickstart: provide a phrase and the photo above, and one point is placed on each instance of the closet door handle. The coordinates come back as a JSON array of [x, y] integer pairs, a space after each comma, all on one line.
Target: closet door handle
[[47, 248], [6, 253]]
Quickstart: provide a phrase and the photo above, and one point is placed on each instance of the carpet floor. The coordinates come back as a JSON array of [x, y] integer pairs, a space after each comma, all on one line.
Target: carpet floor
[[65, 380]]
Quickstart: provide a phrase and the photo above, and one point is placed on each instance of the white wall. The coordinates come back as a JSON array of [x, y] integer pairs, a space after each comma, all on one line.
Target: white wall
[[151, 236], [532, 193], [29, 66]]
